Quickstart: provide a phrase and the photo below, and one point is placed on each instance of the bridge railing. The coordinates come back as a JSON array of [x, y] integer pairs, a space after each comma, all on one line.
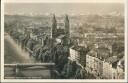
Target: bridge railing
[[29, 70]]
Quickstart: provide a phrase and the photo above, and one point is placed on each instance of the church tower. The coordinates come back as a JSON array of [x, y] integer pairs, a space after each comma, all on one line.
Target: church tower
[[67, 26], [54, 27], [67, 30]]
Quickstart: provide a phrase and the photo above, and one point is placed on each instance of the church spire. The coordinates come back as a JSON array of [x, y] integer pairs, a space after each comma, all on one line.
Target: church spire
[[54, 27], [67, 26]]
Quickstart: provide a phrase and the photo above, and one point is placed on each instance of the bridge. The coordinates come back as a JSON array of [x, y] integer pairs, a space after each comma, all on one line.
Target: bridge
[[29, 71]]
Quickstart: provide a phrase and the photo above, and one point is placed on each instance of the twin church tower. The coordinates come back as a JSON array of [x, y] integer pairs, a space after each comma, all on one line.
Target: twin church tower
[[55, 31]]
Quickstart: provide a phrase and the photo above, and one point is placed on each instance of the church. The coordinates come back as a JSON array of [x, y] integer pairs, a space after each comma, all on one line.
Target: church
[[59, 34]]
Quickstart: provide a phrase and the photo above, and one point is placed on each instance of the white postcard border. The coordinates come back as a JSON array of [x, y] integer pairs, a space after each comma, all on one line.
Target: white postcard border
[[61, 80]]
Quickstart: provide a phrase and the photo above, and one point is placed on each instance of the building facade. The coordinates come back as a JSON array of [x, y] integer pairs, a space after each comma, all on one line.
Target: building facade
[[64, 29], [78, 54]]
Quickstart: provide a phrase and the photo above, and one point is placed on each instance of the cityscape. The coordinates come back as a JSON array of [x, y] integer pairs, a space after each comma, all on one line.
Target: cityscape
[[65, 45]]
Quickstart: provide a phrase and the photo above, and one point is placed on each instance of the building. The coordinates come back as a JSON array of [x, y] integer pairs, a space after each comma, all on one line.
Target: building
[[61, 30], [78, 54], [101, 62], [67, 26], [60, 25], [120, 69], [60, 39], [54, 27], [110, 68], [94, 60]]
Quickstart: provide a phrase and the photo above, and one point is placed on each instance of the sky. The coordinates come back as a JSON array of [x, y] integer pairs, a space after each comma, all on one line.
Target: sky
[[66, 1], [63, 8]]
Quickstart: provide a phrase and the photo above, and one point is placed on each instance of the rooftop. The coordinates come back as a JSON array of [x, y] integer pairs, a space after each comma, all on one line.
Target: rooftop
[[78, 48], [101, 53], [61, 36], [121, 63], [112, 59]]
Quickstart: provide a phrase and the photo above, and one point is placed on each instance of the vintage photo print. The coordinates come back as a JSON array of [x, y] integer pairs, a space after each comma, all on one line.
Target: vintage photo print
[[63, 41]]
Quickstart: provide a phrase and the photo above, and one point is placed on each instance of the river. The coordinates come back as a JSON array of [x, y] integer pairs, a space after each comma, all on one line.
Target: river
[[13, 52]]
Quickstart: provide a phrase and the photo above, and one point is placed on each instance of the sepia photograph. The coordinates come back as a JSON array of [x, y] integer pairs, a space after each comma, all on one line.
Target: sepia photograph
[[61, 40]]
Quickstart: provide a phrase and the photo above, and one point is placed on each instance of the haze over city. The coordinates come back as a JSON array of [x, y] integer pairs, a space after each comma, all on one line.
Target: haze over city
[[63, 8]]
